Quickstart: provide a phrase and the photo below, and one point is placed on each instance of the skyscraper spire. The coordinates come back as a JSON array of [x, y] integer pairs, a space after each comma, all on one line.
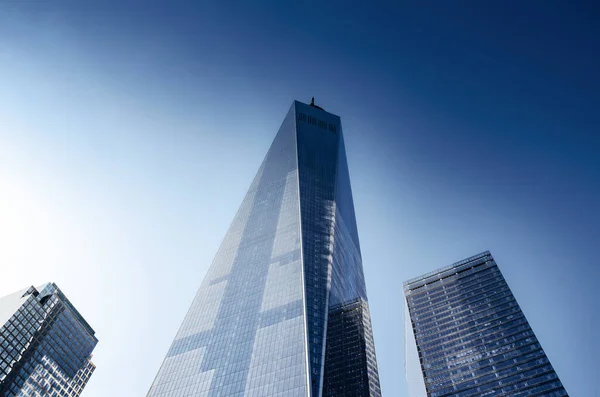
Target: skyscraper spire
[[289, 265]]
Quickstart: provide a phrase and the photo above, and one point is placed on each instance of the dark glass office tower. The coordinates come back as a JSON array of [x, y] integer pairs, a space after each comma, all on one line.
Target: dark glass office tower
[[283, 309], [467, 336], [46, 346]]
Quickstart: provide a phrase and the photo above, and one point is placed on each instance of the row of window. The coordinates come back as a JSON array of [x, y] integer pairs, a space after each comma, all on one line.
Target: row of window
[[316, 122]]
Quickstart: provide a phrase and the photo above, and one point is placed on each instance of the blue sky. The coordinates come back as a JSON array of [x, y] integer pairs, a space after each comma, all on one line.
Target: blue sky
[[129, 132]]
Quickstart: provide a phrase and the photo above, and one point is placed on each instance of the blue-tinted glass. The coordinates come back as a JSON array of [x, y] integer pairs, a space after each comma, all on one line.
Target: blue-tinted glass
[[258, 324], [245, 331], [471, 336], [342, 354], [46, 345]]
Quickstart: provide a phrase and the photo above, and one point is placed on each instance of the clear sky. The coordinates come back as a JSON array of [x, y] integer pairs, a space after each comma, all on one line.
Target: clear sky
[[130, 131]]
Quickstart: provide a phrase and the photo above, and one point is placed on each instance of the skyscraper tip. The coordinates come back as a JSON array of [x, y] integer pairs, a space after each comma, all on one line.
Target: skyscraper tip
[[312, 103]]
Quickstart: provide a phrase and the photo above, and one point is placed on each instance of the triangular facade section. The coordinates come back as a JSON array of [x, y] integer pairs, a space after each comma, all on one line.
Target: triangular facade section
[[244, 334]]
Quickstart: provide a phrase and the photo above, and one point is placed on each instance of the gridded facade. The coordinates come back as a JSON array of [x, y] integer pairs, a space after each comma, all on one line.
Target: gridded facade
[[349, 334], [472, 339], [46, 345], [258, 323]]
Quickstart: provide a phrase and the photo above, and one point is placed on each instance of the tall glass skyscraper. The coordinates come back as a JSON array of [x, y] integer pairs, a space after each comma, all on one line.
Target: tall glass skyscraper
[[46, 346], [467, 336], [283, 309]]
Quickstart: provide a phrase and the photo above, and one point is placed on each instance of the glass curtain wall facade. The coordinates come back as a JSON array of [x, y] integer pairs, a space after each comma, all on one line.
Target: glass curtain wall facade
[[471, 337], [46, 346], [289, 262]]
